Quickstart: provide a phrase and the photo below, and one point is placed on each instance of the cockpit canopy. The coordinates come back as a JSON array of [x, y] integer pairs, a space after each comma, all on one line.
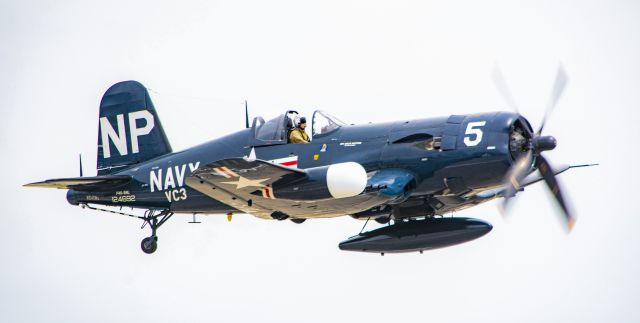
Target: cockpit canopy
[[276, 130], [324, 123], [272, 130]]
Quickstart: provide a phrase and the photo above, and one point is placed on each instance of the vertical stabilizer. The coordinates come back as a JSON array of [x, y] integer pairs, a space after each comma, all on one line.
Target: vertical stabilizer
[[129, 130]]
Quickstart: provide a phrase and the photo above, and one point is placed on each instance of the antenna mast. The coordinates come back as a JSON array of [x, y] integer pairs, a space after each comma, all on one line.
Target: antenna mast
[[246, 114]]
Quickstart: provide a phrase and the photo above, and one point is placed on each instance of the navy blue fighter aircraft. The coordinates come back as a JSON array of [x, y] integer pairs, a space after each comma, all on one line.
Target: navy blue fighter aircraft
[[406, 174]]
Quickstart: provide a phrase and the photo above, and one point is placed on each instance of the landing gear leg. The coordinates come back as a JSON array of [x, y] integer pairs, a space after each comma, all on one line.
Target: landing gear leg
[[150, 244]]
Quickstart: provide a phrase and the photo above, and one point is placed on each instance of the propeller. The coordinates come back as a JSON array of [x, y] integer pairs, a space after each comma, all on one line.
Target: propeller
[[501, 84], [532, 148], [558, 88], [550, 179]]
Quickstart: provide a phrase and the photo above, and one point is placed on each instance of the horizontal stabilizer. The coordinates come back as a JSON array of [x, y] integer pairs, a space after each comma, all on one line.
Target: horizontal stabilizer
[[87, 184]]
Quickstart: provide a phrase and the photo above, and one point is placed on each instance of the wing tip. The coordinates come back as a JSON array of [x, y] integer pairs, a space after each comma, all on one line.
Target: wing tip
[[35, 184]]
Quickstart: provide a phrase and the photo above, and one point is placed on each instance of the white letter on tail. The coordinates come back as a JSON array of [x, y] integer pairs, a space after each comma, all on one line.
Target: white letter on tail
[[135, 131], [119, 139]]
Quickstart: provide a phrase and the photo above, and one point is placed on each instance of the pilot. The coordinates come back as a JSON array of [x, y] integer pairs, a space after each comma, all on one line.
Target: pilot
[[298, 135]]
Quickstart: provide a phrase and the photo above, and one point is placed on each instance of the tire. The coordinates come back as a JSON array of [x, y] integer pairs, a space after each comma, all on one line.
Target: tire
[[298, 221], [149, 245], [383, 219]]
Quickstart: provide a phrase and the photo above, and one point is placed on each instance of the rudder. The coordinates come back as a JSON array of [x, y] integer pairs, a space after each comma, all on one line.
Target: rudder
[[129, 130]]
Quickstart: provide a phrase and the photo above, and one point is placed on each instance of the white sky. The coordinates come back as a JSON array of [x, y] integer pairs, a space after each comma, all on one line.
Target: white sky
[[362, 61]]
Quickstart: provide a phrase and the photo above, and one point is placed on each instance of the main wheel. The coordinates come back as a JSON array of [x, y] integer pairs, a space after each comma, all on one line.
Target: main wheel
[[383, 219], [298, 221], [149, 244]]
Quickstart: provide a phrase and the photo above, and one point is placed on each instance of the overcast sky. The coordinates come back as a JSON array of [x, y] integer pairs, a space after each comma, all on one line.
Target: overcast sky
[[364, 61]]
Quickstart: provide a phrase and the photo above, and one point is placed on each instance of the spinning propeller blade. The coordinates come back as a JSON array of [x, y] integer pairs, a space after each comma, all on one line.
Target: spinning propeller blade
[[501, 84], [523, 165], [550, 179], [556, 92], [513, 180]]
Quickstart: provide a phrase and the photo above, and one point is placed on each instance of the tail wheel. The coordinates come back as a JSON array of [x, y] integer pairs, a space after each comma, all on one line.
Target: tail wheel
[[149, 244], [298, 221]]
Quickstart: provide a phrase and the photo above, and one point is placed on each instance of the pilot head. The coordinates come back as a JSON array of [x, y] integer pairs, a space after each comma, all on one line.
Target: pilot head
[[302, 123]]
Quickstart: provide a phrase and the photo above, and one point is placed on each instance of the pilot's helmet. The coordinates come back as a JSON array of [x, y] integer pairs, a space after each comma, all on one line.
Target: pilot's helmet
[[300, 120]]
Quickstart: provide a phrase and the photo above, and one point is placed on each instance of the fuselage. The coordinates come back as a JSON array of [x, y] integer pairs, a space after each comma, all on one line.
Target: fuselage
[[450, 158]]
